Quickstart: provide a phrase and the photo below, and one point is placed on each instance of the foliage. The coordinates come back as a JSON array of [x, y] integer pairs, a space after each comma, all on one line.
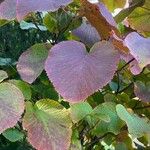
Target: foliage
[[72, 76]]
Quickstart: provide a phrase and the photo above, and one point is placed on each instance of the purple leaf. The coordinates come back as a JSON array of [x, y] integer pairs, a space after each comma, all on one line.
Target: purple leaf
[[26, 6], [8, 9], [108, 16], [139, 48], [87, 33], [11, 105], [142, 90], [75, 73], [31, 62], [134, 65]]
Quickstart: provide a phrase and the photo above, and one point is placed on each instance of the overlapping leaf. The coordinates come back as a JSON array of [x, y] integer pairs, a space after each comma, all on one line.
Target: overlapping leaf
[[31, 62], [137, 126], [139, 48], [87, 34], [48, 125], [139, 18], [112, 122], [142, 90], [77, 74], [26, 6], [11, 105]]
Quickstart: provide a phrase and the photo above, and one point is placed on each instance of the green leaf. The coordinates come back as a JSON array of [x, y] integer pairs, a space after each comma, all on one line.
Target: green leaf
[[79, 111], [113, 4], [48, 125], [137, 126], [3, 75], [13, 135], [24, 87], [75, 141], [110, 121], [139, 18], [50, 22]]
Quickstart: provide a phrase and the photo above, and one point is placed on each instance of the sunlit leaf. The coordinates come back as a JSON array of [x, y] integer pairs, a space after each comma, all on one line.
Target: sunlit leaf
[[79, 111], [48, 125], [31, 62], [11, 105], [77, 74], [137, 126], [139, 48], [139, 18], [113, 4]]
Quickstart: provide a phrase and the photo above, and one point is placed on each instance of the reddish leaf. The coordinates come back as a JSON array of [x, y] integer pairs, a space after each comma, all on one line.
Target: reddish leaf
[[11, 105], [26, 6], [48, 125], [96, 15], [77, 74]]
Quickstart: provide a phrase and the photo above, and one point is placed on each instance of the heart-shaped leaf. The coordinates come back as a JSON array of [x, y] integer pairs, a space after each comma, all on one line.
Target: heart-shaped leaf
[[26, 6], [142, 90], [139, 48], [137, 126], [48, 125], [31, 62], [8, 9], [11, 105], [77, 74]]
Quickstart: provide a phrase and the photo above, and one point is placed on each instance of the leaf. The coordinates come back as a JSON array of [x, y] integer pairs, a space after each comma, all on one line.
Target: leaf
[[31, 62], [87, 34], [139, 18], [99, 18], [77, 74], [142, 90], [24, 87], [3, 75], [11, 106], [114, 123], [27, 6], [139, 48], [75, 141], [26, 26], [113, 4], [8, 9], [79, 111], [13, 135], [48, 125], [134, 65], [137, 126]]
